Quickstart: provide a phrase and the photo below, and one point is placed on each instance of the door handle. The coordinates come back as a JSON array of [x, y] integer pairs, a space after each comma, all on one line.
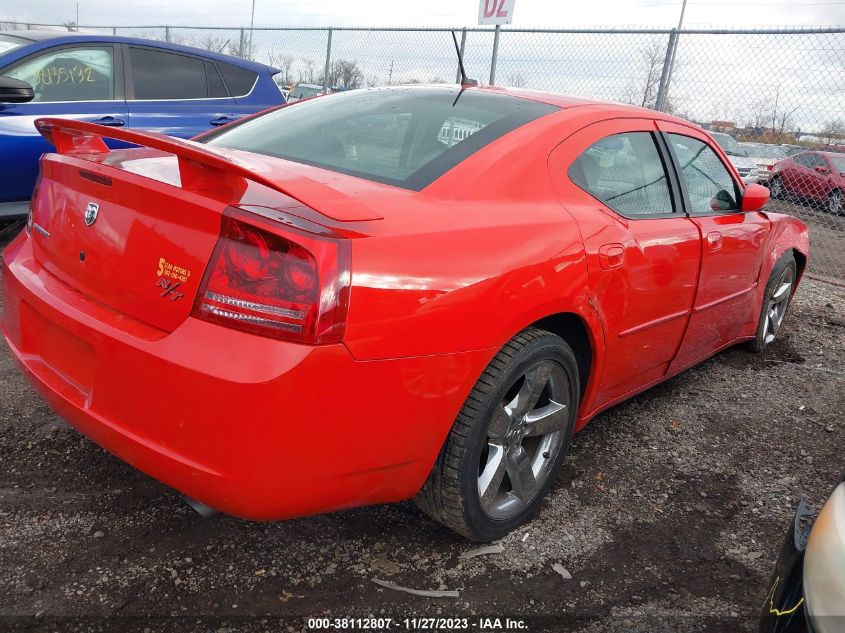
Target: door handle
[[223, 120], [611, 256], [111, 121], [714, 241]]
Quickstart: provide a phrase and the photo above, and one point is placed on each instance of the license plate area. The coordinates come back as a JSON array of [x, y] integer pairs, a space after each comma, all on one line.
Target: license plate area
[[60, 357]]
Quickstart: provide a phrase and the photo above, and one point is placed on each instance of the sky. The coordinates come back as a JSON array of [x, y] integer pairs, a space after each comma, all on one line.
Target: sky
[[528, 13]]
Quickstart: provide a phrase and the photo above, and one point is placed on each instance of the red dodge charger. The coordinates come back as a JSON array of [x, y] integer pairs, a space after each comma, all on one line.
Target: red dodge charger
[[384, 294]]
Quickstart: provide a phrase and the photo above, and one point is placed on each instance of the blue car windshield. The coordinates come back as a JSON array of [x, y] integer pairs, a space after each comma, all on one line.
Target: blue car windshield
[[406, 137]]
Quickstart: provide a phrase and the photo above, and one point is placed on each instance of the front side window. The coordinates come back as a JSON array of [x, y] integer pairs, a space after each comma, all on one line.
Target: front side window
[[69, 74], [625, 172], [159, 75], [709, 183], [405, 137]]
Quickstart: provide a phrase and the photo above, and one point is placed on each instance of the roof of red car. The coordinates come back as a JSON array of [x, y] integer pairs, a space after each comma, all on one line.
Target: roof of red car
[[566, 101]]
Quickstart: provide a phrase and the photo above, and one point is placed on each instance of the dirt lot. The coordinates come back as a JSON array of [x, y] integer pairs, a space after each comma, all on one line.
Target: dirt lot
[[669, 517]]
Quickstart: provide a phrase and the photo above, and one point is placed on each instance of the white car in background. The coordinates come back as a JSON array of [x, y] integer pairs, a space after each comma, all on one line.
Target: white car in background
[[765, 156], [746, 167], [807, 591]]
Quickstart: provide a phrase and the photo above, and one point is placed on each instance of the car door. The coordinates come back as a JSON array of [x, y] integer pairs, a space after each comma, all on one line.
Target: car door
[[803, 174], [642, 251], [80, 81], [725, 303], [175, 93], [815, 181]]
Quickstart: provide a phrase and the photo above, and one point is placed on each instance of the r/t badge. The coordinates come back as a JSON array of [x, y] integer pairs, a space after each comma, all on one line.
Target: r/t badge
[[169, 289]]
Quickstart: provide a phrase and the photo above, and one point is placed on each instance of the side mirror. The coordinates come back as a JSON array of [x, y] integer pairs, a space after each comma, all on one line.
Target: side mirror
[[821, 169], [755, 197], [15, 91]]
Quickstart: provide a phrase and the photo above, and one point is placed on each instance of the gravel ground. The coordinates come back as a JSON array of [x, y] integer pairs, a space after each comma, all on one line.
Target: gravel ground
[[669, 517]]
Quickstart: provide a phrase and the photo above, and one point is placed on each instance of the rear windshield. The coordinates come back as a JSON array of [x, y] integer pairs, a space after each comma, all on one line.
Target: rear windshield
[[407, 137]]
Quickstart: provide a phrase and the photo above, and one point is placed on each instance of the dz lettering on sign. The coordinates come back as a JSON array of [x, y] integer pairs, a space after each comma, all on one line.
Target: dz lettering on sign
[[495, 11]]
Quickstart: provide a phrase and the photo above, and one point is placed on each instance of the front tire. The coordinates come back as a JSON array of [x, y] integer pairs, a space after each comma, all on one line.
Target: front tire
[[508, 441], [836, 202], [776, 300]]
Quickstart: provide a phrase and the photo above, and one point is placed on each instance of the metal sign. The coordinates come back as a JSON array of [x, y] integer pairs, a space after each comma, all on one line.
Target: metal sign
[[495, 11]]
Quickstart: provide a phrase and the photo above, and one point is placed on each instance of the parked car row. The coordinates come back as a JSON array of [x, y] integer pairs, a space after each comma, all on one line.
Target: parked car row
[[117, 82]]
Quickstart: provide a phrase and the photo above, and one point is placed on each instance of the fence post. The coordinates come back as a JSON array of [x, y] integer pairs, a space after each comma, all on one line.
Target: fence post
[[241, 45], [463, 48], [328, 63], [495, 55], [114, 31], [666, 73], [166, 33]]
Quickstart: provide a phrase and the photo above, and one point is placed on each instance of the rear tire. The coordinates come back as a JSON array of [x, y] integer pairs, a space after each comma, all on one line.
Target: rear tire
[[776, 299], [776, 189], [509, 439]]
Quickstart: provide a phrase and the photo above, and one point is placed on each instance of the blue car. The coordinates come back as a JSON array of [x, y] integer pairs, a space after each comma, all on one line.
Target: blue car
[[116, 81]]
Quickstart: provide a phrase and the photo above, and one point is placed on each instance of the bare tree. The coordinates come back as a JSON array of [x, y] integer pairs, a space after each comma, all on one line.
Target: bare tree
[[642, 90], [345, 75], [516, 80], [307, 70], [285, 64], [211, 42], [832, 132], [70, 26]]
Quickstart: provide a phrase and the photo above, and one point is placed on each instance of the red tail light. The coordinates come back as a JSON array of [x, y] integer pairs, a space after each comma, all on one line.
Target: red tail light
[[276, 280], [770, 167]]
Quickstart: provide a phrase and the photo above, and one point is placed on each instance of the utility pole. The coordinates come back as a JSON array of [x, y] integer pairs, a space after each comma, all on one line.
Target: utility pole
[[252, 26], [77, 16]]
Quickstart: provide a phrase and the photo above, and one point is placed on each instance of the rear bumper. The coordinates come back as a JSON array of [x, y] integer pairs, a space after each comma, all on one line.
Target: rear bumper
[[253, 427]]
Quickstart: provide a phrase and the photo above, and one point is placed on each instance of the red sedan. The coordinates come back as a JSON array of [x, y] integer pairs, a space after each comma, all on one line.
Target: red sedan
[[816, 176], [385, 294]]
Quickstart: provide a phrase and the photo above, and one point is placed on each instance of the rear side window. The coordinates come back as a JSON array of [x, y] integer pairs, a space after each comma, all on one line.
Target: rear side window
[[216, 88], [69, 74], [404, 137], [709, 183], [158, 74], [240, 80], [625, 172]]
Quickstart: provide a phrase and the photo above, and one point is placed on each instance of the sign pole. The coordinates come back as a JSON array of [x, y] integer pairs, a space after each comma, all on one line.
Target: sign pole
[[495, 54]]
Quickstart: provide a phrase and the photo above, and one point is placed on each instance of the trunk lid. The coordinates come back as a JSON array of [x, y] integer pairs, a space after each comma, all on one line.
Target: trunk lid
[[135, 229]]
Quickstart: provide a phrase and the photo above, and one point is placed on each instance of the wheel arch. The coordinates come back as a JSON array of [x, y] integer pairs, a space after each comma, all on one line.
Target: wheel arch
[[572, 328]]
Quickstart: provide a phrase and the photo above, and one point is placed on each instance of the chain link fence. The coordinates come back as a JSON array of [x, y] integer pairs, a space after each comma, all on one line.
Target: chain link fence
[[774, 98]]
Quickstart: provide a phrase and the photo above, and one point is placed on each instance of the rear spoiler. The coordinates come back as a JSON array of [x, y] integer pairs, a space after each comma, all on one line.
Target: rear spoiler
[[200, 169]]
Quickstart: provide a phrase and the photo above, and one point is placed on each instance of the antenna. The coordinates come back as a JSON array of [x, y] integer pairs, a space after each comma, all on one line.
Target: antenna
[[465, 81]]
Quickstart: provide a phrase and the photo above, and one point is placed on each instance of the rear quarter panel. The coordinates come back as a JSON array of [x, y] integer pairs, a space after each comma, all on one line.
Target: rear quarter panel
[[787, 233], [471, 260]]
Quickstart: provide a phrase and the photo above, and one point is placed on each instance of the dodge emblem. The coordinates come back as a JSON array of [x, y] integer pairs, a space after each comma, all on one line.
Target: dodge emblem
[[91, 213]]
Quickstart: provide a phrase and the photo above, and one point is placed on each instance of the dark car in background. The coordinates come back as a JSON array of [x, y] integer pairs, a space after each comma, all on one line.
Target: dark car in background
[[114, 81], [818, 177]]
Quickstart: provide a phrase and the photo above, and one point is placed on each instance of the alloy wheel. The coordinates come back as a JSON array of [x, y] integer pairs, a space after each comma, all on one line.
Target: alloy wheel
[[776, 188], [776, 310], [525, 436]]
